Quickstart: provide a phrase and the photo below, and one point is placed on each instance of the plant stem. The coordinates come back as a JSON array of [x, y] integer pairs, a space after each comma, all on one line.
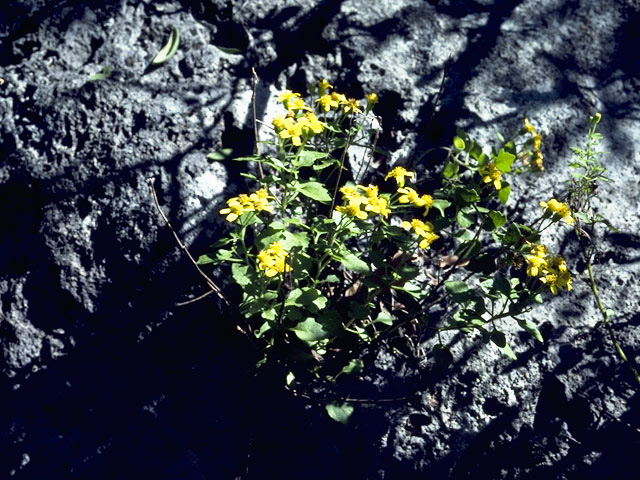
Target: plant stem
[[607, 323]]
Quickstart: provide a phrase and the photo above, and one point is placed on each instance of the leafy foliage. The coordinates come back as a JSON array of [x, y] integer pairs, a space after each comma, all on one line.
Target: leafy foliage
[[327, 265]]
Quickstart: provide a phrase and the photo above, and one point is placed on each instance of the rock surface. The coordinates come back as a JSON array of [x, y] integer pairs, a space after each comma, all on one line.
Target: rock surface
[[103, 376]]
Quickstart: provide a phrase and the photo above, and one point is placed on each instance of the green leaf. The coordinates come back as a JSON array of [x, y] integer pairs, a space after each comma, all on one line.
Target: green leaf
[[240, 274], [503, 194], [504, 160], [455, 287], [358, 311], [290, 380], [502, 285], [324, 164], [497, 218], [310, 331], [264, 328], [307, 297], [355, 365], [458, 143], [508, 352], [220, 155], [416, 291], [468, 249], [259, 304], [440, 205], [465, 220], [224, 255], [249, 158], [407, 272], [499, 339], [339, 412], [309, 157], [353, 263], [442, 355], [450, 170], [531, 327], [331, 278], [287, 239], [269, 314], [101, 75], [204, 260], [169, 49], [384, 318], [315, 191], [229, 50], [466, 195]]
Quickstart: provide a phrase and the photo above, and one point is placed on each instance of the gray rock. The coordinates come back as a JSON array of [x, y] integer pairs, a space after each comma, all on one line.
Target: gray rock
[[106, 377]]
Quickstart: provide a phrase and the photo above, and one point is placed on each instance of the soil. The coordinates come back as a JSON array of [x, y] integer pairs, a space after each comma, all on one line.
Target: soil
[[104, 376]]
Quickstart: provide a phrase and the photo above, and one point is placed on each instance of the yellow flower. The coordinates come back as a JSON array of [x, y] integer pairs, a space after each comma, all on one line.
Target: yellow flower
[[273, 260], [428, 203], [279, 122], [372, 98], [324, 85], [560, 209], [399, 173], [379, 206], [351, 194], [352, 105], [537, 142], [255, 202], [410, 196], [352, 209], [291, 130], [528, 127], [339, 97], [551, 269], [535, 265], [232, 212], [292, 101], [260, 201], [311, 124], [327, 102], [422, 229], [370, 192], [538, 250], [538, 159], [491, 174], [236, 207]]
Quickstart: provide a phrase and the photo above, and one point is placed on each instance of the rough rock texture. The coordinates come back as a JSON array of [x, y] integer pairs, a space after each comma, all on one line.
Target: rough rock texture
[[104, 377]]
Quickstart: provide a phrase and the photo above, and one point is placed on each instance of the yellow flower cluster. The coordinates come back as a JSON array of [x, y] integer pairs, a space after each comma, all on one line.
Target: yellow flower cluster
[[490, 173], [299, 122], [255, 202], [538, 157], [560, 209], [360, 201], [423, 230], [333, 101], [273, 260], [289, 127], [550, 269], [409, 195], [292, 101], [399, 173]]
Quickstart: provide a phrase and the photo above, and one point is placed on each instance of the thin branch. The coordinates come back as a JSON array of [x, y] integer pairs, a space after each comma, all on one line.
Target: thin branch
[[246, 331], [342, 159], [209, 281], [254, 81], [194, 300]]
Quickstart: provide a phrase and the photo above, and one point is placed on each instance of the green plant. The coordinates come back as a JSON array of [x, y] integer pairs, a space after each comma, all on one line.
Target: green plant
[[587, 173], [326, 265]]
